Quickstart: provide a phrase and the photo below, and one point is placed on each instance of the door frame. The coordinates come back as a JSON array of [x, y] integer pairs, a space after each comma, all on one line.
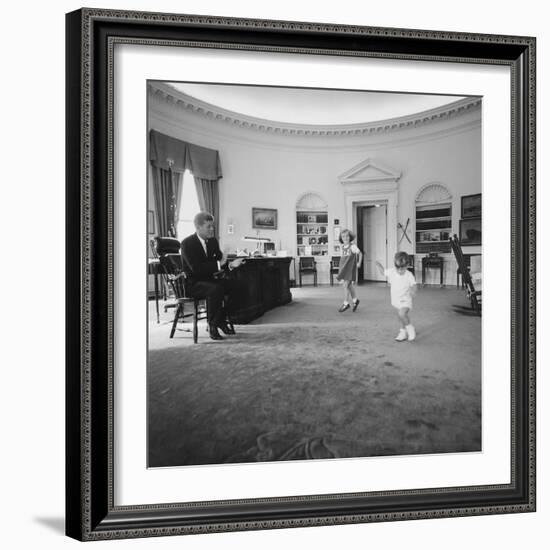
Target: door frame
[[365, 195], [359, 231]]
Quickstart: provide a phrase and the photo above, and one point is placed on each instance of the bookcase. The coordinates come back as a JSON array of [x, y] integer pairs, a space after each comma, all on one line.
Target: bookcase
[[433, 228], [312, 233]]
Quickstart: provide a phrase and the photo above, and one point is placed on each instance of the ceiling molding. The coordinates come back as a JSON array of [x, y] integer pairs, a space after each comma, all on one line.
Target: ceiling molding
[[167, 94]]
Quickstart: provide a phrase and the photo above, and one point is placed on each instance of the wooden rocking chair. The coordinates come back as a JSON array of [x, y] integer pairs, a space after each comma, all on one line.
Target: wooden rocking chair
[[473, 295]]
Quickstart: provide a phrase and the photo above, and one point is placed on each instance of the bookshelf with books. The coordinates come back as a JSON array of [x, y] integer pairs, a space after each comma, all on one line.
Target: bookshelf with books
[[312, 233], [433, 228]]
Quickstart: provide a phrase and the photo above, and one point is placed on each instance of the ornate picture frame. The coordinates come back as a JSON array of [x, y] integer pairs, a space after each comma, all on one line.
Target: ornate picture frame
[[91, 509]]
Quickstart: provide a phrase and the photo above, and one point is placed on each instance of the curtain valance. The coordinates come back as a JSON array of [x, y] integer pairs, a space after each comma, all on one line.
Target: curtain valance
[[203, 163]]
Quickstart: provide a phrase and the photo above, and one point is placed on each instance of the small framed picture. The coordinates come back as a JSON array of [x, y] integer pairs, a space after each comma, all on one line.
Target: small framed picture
[[150, 222], [470, 206], [470, 232], [264, 218]]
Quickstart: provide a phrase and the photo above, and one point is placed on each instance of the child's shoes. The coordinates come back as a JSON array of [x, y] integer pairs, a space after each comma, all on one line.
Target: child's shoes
[[411, 332], [355, 304], [343, 307], [402, 335]]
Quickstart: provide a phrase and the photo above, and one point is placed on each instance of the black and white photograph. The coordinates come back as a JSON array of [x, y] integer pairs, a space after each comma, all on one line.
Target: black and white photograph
[[343, 321], [279, 310]]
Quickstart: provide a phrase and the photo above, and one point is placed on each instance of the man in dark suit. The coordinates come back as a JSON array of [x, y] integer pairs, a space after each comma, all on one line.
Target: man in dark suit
[[204, 263]]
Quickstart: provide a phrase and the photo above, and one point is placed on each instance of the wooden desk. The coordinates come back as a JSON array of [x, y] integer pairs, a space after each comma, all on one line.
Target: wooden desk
[[265, 284], [435, 262]]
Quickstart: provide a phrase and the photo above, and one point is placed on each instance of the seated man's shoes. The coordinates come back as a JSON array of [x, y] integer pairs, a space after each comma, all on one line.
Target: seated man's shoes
[[213, 332], [226, 328]]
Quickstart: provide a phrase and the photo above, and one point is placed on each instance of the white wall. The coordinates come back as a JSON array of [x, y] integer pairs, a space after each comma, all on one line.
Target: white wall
[[32, 404], [262, 170]]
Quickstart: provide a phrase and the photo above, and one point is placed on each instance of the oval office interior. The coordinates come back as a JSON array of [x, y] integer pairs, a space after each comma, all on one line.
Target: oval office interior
[[283, 172]]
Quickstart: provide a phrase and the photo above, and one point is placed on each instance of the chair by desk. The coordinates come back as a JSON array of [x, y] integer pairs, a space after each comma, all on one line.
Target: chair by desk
[[432, 262], [308, 265], [334, 268], [159, 247]]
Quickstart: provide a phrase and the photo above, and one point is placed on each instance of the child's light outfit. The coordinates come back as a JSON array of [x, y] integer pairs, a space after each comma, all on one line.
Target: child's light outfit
[[347, 270], [401, 285]]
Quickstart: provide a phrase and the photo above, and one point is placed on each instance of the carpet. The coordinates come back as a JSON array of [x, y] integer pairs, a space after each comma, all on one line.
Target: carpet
[[288, 389]]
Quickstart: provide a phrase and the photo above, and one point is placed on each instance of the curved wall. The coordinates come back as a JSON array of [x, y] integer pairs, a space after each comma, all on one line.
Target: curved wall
[[272, 170]]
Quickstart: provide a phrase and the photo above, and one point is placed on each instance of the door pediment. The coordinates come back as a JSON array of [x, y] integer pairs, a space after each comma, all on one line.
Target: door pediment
[[370, 182], [368, 171]]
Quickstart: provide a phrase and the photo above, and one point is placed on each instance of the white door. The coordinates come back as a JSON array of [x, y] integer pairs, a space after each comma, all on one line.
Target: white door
[[374, 239]]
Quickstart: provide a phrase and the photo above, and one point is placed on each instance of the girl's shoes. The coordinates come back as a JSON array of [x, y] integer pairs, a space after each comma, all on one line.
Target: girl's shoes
[[343, 307], [402, 336], [411, 332], [355, 304]]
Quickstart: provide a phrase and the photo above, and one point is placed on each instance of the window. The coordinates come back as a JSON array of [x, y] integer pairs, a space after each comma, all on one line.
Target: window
[[433, 219], [189, 206]]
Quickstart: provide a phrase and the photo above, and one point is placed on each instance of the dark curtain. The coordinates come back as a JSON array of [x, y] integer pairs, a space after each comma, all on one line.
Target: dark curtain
[[166, 188], [170, 154]]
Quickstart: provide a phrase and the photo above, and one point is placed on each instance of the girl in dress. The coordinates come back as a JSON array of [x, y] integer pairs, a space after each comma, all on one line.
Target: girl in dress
[[347, 273]]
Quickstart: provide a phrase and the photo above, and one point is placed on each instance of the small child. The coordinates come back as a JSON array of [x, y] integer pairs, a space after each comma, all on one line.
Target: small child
[[347, 269], [403, 288]]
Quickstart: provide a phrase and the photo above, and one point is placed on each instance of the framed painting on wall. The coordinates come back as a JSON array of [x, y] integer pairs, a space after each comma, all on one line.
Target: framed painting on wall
[[264, 218], [470, 232], [111, 491], [470, 206]]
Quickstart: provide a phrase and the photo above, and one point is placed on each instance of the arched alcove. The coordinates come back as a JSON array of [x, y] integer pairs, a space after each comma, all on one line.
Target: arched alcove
[[433, 213], [311, 201], [311, 225]]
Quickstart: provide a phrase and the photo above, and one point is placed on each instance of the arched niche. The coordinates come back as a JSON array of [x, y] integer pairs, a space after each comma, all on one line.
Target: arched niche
[[433, 218], [312, 236]]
